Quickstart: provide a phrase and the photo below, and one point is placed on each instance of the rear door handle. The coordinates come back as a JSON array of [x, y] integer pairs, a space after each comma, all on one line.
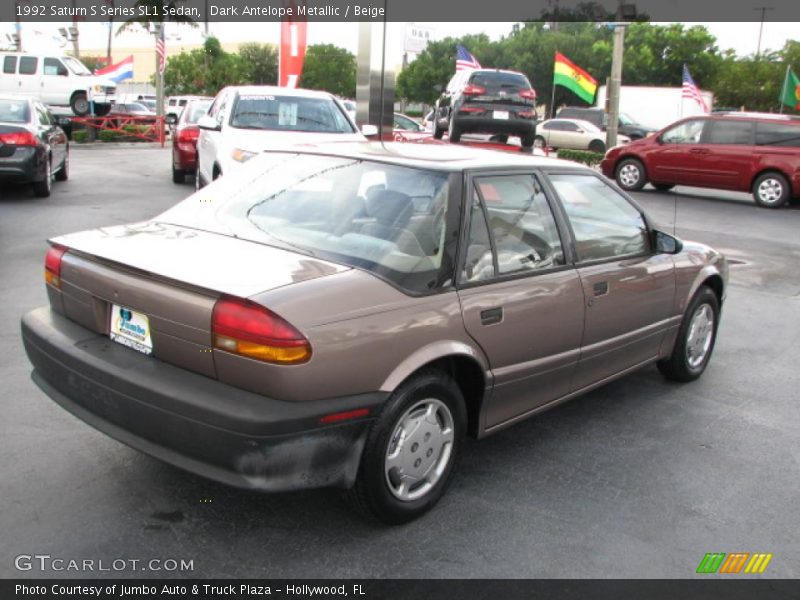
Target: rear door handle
[[492, 316], [600, 288]]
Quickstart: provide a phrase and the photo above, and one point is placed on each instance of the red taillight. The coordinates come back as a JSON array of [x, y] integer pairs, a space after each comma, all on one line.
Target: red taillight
[[188, 134], [52, 265], [246, 328], [528, 94], [526, 114], [19, 138], [468, 109], [474, 90]]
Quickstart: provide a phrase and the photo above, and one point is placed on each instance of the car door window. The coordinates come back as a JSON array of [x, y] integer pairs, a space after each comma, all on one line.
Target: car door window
[[10, 64], [688, 132], [730, 132], [778, 134], [604, 224], [572, 127], [53, 66], [27, 65], [512, 214]]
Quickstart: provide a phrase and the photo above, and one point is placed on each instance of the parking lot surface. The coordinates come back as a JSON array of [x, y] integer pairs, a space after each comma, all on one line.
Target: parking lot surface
[[639, 478]]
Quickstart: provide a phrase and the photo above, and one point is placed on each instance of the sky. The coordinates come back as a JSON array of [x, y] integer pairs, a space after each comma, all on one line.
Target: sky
[[741, 37]]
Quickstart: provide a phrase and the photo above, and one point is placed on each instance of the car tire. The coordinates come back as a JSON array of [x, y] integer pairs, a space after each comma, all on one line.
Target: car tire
[[597, 146], [63, 172], [663, 187], [438, 132], [420, 429], [79, 104], [771, 190], [101, 110], [42, 188], [630, 174], [528, 140], [453, 132], [178, 175], [695, 340]]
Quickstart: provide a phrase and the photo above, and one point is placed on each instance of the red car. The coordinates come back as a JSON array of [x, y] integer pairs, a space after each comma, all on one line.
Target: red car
[[184, 139], [759, 153]]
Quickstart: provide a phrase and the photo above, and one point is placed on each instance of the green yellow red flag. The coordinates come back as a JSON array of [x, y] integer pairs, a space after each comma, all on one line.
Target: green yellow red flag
[[571, 76]]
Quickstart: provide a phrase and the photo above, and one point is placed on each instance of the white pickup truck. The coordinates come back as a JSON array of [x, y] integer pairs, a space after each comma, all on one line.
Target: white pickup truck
[[56, 80]]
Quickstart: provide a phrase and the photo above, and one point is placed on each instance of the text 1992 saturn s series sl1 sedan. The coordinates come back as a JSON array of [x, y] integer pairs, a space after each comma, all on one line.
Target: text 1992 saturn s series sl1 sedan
[[345, 315]]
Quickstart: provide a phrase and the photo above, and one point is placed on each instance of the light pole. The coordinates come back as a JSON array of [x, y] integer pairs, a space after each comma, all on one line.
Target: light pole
[[763, 10], [614, 84]]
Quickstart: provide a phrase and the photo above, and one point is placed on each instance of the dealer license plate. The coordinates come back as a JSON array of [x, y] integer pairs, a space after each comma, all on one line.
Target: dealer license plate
[[500, 114], [130, 328]]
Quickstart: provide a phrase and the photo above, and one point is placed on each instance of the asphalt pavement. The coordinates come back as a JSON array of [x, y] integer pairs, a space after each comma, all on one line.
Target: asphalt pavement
[[640, 478]]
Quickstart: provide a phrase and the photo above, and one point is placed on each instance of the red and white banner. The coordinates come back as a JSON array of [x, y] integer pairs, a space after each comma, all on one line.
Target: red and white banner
[[293, 50]]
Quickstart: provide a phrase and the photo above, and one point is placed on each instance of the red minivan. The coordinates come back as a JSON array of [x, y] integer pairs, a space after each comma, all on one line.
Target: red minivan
[[759, 153]]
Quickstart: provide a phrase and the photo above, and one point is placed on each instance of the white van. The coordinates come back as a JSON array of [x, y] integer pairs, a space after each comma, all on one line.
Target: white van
[[57, 81]]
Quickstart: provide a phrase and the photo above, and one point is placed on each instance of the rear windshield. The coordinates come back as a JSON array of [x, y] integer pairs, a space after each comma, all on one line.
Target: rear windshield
[[14, 111], [386, 219], [493, 79], [197, 110], [289, 113]]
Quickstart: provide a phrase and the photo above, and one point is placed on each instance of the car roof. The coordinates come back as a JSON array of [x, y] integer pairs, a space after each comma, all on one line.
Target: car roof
[[442, 157], [255, 90]]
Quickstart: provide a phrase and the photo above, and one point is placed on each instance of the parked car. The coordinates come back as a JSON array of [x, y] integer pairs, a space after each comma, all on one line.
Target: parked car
[[245, 120], [184, 139], [174, 104], [487, 101], [574, 134], [131, 109], [33, 148], [148, 100], [345, 314], [599, 118], [406, 129], [56, 80], [759, 153]]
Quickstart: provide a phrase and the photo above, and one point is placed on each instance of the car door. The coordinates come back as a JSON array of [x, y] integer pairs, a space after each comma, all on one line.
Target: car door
[[679, 157], [521, 298], [56, 137], [29, 78], [729, 160], [629, 289], [54, 81]]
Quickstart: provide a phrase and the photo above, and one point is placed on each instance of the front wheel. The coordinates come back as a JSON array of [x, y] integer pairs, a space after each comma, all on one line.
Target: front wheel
[[631, 175], [79, 104], [411, 449], [771, 190], [696, 337], [597, 146]]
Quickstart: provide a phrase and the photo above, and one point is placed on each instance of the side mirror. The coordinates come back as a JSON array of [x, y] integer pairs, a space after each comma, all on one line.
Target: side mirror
[[171, 119], [665, 243], [369, 130], [62, 72], [206, 122]]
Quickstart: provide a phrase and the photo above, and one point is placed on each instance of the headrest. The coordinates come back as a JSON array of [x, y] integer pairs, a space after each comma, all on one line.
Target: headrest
[[389, 206]]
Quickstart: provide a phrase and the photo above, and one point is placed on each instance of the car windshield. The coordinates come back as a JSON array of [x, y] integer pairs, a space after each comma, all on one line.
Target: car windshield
[[625, 119], [197, 110], [14, 111], [289, 113], [76, 66], [138, 107], [386, 219]]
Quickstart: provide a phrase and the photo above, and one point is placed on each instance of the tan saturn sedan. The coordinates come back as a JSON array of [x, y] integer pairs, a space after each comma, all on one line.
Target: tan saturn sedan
[[345, 314]]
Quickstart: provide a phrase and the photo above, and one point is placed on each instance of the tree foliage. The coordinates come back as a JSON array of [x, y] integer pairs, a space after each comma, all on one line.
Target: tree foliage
[[330, 68], [204, 71], [260, 63]]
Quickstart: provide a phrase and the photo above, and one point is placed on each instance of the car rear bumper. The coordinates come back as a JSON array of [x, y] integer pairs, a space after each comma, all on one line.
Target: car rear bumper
[[488, 124], [184, 157], [22, 166], [193, 422]]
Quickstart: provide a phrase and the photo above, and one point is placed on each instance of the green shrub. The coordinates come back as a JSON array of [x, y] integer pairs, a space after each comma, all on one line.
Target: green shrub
[[106, 135], [582, 156], [79, 137]]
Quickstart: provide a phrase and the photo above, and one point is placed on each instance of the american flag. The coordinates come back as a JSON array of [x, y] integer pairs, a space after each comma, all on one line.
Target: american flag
[[690, 90], [465, 60], [161, 50]]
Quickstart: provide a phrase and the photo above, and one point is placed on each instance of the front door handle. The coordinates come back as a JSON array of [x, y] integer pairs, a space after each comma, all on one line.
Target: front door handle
[[492, 316]]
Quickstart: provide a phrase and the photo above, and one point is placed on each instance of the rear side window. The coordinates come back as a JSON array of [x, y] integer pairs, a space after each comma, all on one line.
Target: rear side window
[[778, 134], [10, 64], [730, 132], [27, 65], [492, 79], [604, 223], [521, 229], [14, 111]]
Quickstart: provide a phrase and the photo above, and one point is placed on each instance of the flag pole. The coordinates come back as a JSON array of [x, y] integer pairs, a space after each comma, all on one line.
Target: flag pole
[[553, 97], [783, 89]]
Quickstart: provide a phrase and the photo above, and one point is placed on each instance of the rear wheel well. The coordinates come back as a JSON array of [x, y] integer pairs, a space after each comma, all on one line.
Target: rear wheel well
[[769, 170], [716, 285], [469, 377]]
